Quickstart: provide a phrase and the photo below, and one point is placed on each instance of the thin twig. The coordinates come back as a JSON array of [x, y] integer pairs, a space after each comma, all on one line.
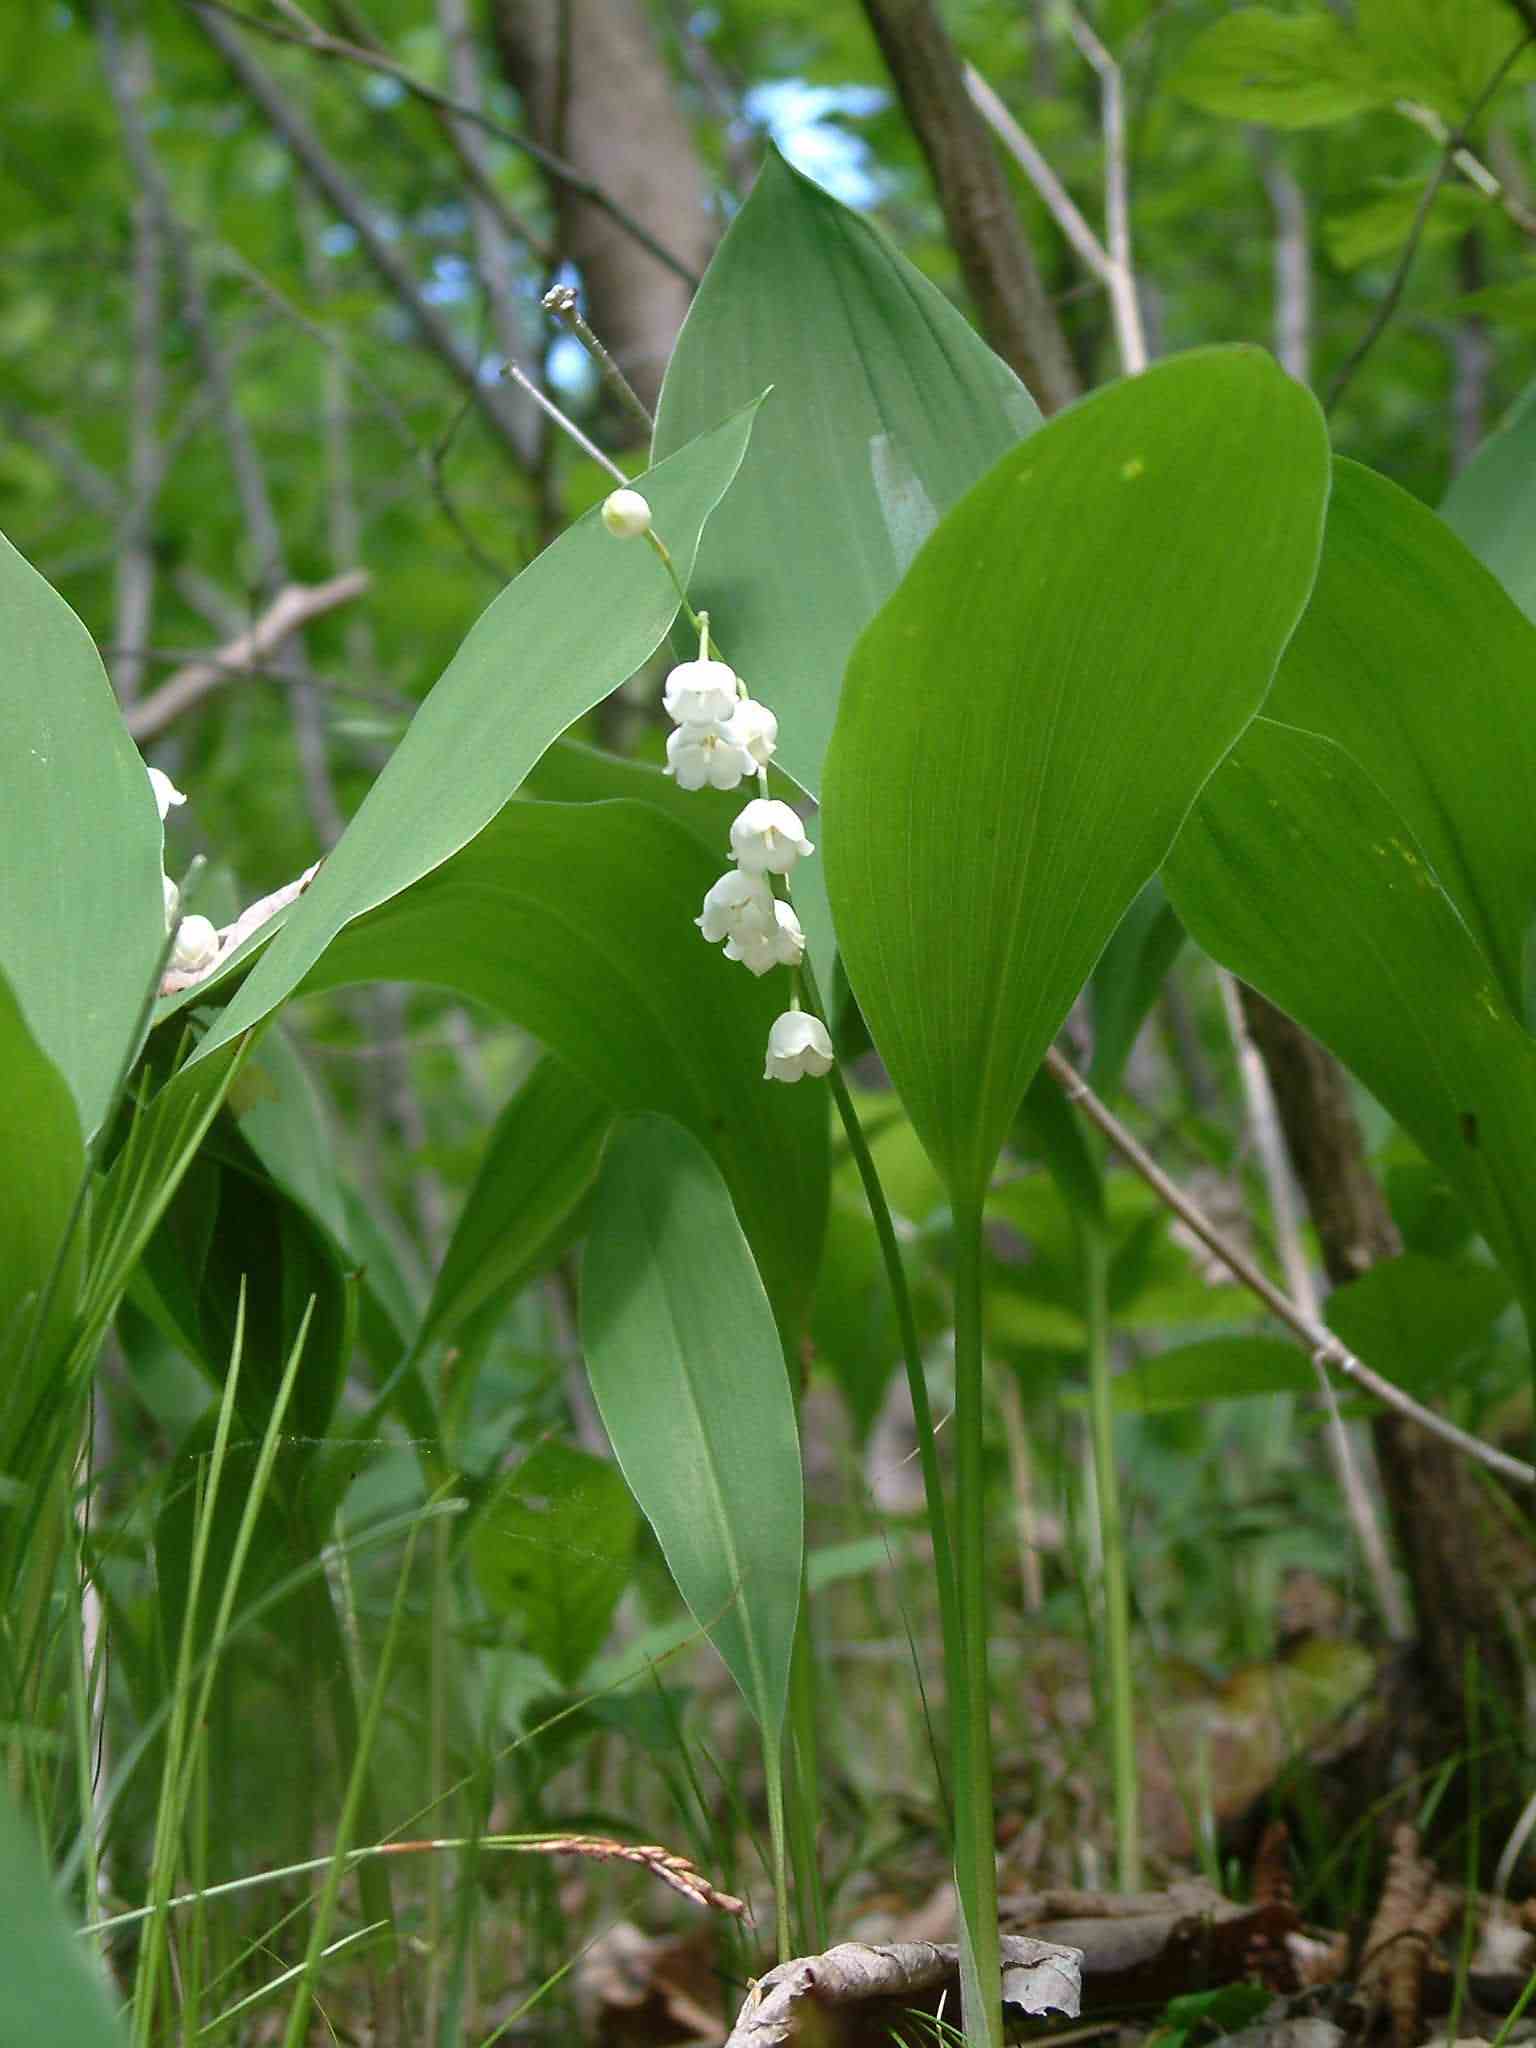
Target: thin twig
[[565, 423], [1394, 292], [1269, 1142], [560, 301], [1291, 262], [291, 608], [1319, 1340], [322, 45], [1471, 167], [1059, 202], [1130, 336]]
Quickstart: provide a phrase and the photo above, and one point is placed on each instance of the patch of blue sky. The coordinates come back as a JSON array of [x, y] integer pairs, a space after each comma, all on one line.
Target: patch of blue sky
[[795, 115]]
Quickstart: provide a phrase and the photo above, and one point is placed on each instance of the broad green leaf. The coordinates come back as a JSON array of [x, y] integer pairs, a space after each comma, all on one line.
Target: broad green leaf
[[1492, 504], [576, 921], [579, 620], [1026, 723], [1416, 1319], [1297, 873], [286, 1123], [1379, 225], [552, 1548], [1289, 70], [538, 1164], [42, 1165], [573, 774], [1127, 981], [1445, 52], [49, 1989], [1215, 1369], [689, 1378], [82, 916], [1412, 658], [886, 407]]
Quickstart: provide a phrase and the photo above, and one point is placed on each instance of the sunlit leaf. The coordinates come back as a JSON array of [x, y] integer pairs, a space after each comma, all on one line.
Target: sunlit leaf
[[886, 407], [82, 915], [1492, 503], [1027, 722]]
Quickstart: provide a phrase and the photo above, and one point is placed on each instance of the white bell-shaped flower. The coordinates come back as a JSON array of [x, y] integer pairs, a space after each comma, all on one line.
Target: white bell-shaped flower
[[172, 900], [797, 1044], [166, 792], [197, 946], [768, 838], [700, 693], [736, 899], [706, 756], [754, 727], [760, 944], [626, 515]]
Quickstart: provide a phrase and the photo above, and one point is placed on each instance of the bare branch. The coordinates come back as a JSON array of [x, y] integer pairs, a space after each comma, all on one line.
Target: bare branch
[[323, 45], [1130, 336], [560, 302], [1324, 1346], [1292, 262], [328, 178], [995, 257], [290, 609]]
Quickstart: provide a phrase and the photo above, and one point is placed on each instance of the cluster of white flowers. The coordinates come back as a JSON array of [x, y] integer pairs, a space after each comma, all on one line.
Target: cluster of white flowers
[[197, 942], [720, 736]]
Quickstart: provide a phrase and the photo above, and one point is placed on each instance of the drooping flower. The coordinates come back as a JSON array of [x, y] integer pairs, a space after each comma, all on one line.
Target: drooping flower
[[760, 944], [166, 792], [197, 946], [700, 693], [797, 1044], [706, 756], [626, 515], [754, 727], [734, 900], [768, 838]]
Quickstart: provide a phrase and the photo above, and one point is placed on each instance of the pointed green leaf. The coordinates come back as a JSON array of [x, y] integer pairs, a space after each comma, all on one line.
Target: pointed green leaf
[[552, 1548], [1027, 722], [49, 1990], [1492, 504], [82, 916], [886, 407], [689, 1378], [1413, 659], [579, 620], [1297, 873], [576, 920], [539, 1162]]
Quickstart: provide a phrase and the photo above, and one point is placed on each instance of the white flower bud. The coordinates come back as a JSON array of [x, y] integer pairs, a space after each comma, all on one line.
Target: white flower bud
[[700, 693], [166, 792], [172, 901], [196, 948], [768, 838], [626, 515], [706, 755], [760, 944], [735, 899], [797, 1044], [754, 727]]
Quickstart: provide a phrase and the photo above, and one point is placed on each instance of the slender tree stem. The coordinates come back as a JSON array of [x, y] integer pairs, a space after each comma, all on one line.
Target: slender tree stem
[[1116, 1616], [971, 1711]]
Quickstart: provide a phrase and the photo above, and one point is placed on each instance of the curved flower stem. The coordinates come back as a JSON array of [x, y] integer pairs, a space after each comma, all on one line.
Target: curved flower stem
[[906, 1323]]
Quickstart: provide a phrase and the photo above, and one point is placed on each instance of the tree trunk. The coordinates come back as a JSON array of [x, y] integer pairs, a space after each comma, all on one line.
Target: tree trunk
[[983, 222], [1462, 1559], [596, 90]]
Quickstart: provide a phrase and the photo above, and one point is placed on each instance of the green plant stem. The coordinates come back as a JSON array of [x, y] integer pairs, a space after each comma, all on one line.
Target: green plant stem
[[805, 1781], [970, 1711], [1116, 1617], [778, 1839]]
